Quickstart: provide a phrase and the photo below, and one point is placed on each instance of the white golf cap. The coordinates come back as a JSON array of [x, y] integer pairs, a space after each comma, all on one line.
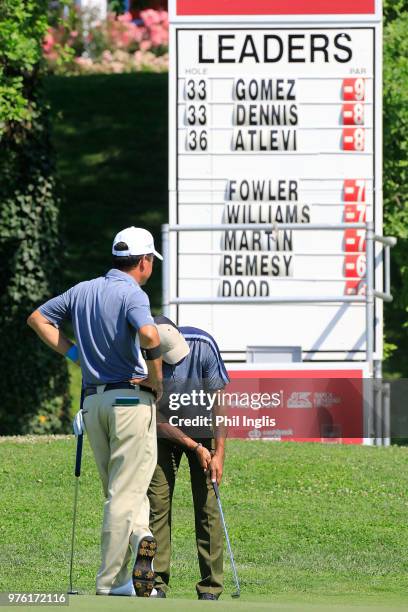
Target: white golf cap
[[138, 240], [172, 343]]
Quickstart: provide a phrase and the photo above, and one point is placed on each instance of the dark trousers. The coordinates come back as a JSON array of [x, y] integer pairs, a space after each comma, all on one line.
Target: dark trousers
[[208, 528]]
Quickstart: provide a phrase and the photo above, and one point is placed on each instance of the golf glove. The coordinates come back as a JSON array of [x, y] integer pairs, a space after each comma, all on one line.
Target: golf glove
[[78, 424]]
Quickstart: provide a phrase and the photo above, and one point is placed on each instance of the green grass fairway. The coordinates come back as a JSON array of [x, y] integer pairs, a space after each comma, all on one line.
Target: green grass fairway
[[110, 604], [309, 524]]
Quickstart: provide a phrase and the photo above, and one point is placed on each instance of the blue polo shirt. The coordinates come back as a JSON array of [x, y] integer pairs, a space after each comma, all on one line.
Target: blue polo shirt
[[106, 314], [202, 369]]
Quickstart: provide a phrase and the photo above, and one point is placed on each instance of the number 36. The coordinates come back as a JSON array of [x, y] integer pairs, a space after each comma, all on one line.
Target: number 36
[[197, 140]]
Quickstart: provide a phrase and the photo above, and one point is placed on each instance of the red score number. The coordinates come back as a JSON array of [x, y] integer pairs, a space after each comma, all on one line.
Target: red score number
[[355, 213], [354, 90], [354, 241], [355, 287], [354, 139], [353, 114], [355, 266], [354, 190]]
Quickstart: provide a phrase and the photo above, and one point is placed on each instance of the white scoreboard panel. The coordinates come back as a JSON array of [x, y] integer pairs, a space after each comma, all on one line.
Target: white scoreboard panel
[[275, 122]]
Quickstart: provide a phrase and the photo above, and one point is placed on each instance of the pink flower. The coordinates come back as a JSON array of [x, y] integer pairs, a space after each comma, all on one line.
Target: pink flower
[[150, 17], [74, 34], [164, 18], [138, 34], [85, 62], [49, 42], [124, 39], [158, 35], [125, 18], [145, 45], [107, 56]]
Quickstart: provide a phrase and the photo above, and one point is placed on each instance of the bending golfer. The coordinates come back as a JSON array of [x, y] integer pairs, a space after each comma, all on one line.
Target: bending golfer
[[118, 351], [191, 361]]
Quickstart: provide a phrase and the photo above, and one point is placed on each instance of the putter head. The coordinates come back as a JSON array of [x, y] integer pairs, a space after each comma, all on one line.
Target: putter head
[[73, 592], [235, 595]]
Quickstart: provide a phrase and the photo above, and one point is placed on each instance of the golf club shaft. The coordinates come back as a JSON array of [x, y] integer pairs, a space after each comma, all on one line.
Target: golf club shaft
[[78, 460], [234, 569], [71, 564]]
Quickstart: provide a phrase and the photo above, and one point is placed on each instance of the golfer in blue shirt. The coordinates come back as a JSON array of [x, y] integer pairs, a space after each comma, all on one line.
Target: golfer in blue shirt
[[117, 348], [191, 364]]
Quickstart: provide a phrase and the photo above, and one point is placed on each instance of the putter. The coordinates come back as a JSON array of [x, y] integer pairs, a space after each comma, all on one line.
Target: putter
[[78, 459], [237, 593]]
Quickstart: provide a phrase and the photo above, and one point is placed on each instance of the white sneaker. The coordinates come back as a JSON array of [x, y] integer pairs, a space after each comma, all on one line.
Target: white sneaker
[[126, 590], [158, 593]]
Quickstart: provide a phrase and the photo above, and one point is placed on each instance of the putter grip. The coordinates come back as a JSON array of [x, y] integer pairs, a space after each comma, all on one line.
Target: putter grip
[[78, 455]]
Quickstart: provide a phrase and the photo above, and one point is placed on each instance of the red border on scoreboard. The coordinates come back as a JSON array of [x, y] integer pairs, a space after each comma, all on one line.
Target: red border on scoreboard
[[315, 373], [275, 7]]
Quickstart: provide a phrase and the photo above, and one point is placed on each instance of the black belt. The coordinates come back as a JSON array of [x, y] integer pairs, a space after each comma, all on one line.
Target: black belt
[[119, 385]]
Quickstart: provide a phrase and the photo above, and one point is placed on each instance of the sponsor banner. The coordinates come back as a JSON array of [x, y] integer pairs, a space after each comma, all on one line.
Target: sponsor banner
[[308, 407]]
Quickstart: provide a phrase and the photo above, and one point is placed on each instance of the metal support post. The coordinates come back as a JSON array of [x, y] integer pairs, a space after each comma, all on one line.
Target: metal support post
[[166, 271], [387, 283], [344, 299], [305, 227], [378, 408], [387, 414], [370, 294]]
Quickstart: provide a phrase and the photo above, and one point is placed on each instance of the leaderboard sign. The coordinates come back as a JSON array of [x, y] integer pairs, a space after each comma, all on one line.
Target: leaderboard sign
[[275, 117]]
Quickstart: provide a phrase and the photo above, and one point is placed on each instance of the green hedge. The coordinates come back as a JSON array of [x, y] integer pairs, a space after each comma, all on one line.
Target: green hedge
[[33, 381]]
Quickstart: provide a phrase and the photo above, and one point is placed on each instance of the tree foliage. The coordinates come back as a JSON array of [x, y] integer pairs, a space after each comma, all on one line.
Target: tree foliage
[[396, 176], [33, 384], [393, 9]]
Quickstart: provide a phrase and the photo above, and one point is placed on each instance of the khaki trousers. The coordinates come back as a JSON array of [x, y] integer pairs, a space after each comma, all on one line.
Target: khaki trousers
[[208, 528], [124, 444]]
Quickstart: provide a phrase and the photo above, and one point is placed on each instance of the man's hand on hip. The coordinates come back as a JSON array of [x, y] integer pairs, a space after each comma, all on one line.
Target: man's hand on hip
[[156, 386], [149, 339]]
